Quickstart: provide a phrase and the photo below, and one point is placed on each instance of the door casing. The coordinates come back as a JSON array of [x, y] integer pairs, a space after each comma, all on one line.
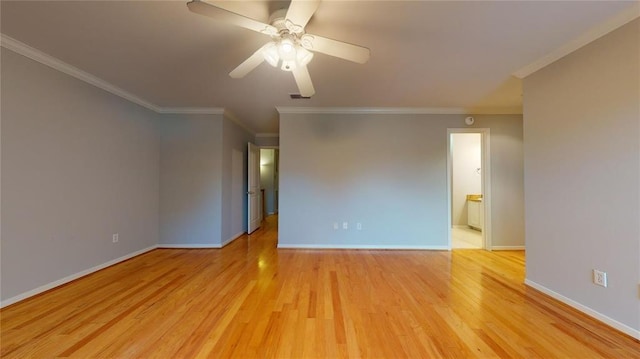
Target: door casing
[[254, 207]]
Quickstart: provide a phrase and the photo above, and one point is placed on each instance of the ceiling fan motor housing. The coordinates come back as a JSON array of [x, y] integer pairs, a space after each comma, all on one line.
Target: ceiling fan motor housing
[[287, 49]]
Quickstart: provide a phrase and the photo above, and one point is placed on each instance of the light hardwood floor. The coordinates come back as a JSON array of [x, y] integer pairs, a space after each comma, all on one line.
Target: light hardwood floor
[[251, 300], [466, 238]]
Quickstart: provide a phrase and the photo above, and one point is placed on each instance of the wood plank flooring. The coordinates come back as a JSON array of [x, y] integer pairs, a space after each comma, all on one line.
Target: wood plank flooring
[[250, 300]]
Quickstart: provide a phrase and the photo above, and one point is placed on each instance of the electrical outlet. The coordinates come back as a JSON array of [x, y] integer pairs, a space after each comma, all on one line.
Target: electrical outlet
[[345, 225], [115, 238], [359, 226], [600, 278]]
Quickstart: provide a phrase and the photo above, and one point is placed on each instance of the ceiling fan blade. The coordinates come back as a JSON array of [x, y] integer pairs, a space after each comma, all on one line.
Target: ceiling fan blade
[[230, 17], [300, 11], [303, 80], [248, 65], [336, 48]]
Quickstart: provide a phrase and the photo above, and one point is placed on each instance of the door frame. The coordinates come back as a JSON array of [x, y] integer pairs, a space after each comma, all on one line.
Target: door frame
[[253, 168], [277, 169], [485, 134]]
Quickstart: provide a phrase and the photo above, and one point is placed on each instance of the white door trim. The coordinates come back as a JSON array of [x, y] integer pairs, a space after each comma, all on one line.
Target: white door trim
[[254, 207], [486, 181]]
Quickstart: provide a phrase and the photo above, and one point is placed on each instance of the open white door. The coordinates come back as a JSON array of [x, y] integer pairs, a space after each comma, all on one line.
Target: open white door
[[254, 214]]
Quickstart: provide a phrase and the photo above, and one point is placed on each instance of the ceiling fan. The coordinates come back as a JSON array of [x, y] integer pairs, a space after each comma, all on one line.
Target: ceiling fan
[[290, 48]]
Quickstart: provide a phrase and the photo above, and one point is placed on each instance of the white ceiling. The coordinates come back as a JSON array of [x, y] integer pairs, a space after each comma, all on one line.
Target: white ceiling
[[423, 53]]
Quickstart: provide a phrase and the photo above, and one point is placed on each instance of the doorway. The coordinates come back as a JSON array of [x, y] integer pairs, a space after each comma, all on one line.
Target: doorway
[[468, 188], [269, 180]]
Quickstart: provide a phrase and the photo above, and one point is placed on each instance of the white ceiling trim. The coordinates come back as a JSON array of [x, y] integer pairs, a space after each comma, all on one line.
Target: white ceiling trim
[[191, 110], [401, 110], [591, 35], [25, 50], [48, 60]]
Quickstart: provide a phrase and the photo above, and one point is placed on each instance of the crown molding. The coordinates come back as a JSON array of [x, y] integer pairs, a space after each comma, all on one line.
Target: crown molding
[[191, 110], [267, 135], [25, 50], [596, 32], [48, 60], [401, 110]]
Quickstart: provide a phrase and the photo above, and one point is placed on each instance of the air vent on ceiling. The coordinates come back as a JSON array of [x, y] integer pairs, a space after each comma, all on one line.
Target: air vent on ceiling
[[297, 96]]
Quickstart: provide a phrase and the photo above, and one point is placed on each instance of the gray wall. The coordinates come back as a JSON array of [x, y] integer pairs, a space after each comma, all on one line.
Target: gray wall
[[202, 202], [388, 172], [507, 181], [191, 180], [78, 164], [582, 154]]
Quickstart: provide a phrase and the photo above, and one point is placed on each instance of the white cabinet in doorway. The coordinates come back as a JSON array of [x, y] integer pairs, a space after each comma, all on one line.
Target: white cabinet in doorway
[[475, 213]]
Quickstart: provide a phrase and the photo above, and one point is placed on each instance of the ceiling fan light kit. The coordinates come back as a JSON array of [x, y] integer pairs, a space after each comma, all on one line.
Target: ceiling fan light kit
[[289, 52], [290, 48]]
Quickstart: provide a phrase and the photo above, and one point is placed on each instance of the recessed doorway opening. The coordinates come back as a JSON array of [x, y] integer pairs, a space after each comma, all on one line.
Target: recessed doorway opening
[[469, 188], [269, 180]]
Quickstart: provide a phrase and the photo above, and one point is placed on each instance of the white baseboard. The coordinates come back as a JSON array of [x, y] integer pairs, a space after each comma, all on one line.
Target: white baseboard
[[189, 245], [361, 246], [635, 333], [199, 245], [233, 238], [72, 277], [507, 248]]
